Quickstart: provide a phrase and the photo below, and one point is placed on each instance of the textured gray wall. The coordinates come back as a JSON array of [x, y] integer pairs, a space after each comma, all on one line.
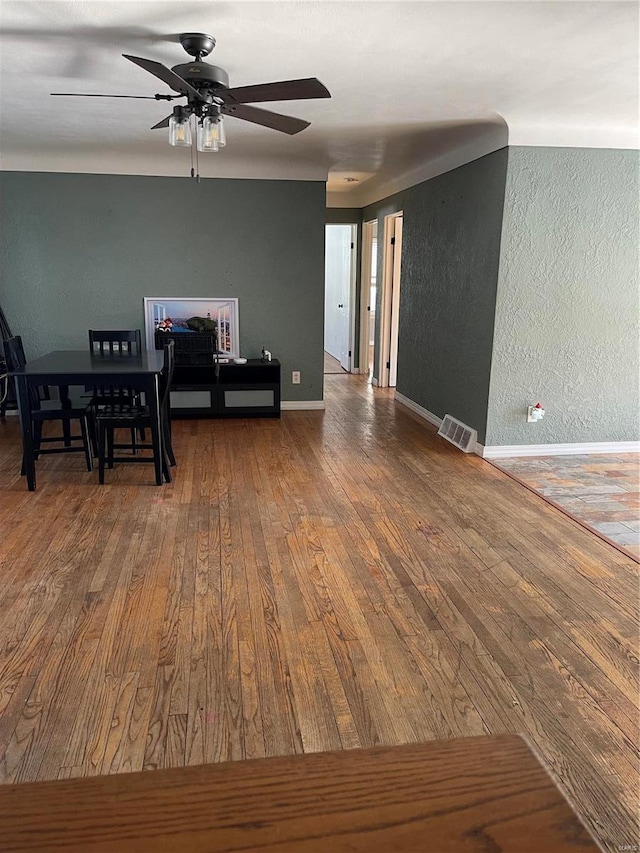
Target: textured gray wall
[[450, 255], [567, 314], [81, 251]]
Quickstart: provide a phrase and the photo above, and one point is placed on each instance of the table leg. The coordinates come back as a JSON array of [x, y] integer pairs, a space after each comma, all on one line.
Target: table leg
[[153, 401], [63, 392], [24, 410]]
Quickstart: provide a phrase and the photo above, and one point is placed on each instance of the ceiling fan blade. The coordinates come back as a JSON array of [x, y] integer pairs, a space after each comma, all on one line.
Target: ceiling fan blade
[[286, 124], [163, 123], [80, 95], [173, 80], [284, 90]]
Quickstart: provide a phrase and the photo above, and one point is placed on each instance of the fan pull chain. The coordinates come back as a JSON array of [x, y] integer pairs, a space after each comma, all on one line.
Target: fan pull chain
[[195, 173]]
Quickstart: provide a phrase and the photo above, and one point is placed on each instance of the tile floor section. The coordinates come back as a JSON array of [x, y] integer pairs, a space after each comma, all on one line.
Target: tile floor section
[[601, 491]]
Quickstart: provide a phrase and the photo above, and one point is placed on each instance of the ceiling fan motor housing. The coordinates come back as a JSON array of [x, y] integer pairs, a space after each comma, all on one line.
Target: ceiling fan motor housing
[[201, 75], [197, 44]]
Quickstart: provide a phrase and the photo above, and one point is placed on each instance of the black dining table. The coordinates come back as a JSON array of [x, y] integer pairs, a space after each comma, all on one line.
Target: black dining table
[[80, 367]]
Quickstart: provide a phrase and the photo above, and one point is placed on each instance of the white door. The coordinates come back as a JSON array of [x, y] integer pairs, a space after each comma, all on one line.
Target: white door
[[339, 255]]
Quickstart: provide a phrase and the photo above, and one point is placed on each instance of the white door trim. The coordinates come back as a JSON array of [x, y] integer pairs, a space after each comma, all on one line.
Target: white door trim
[[384, 340], [365, 290], [352, 295], [395, 301]]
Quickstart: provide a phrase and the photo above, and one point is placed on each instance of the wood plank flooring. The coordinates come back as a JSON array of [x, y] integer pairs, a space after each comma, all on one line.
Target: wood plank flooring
[[331, 580], [332, 365]]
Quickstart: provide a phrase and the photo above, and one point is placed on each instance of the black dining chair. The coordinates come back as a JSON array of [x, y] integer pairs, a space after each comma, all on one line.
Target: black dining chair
[[121, 415], [64, 410], [112, 343]]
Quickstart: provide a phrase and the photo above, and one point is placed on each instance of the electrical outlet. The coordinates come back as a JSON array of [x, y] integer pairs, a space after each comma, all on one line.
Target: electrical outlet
[[295, 377], [534, 413]]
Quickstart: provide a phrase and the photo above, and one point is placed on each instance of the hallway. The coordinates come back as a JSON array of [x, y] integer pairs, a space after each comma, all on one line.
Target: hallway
[[330, 580]]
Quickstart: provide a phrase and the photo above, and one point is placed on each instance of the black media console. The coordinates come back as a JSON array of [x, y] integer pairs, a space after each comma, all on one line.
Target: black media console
[[205, 388], [226, 390]]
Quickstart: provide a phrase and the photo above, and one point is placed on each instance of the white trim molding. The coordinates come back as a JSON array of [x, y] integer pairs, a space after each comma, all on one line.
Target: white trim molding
[[419, 410], [295, 405], [586, 449]]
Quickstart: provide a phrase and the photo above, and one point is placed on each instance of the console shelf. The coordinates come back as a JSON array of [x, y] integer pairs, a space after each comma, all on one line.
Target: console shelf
[[226, 390]]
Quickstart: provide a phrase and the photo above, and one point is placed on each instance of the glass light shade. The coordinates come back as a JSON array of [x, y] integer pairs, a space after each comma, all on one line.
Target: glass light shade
[[211, 135], [179, 131]]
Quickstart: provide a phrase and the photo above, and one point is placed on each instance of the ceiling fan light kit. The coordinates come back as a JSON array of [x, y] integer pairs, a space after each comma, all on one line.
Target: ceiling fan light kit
[[180, 128], [209, 98], [211, 134]]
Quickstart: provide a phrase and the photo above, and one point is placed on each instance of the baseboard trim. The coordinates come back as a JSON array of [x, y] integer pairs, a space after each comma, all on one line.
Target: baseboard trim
[[419, 410], [584, 449], [301, 405], [374, 381]]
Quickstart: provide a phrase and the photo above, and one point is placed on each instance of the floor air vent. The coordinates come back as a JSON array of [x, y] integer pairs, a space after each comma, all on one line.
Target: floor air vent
[[458, 433]]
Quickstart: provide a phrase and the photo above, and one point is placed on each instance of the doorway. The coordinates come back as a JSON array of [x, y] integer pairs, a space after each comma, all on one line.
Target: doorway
[[379, 336], [338, 297]]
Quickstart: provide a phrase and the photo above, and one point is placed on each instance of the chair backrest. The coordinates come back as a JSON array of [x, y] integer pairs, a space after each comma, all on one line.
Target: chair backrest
[[14, 353], [112, 342], [16, 360], [167, 372]]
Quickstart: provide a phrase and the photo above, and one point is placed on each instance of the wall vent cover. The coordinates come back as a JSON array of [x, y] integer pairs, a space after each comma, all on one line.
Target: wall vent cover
[[458, 433]]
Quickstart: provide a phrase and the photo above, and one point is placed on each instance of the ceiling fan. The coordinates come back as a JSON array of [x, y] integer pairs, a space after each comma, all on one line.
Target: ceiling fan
[[209, 98]]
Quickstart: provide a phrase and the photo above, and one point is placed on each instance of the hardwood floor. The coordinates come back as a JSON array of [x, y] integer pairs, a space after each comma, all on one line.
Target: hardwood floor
[[332, 365], [331, 580]]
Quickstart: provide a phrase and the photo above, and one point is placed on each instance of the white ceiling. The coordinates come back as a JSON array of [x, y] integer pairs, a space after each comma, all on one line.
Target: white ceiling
[[418, 87]]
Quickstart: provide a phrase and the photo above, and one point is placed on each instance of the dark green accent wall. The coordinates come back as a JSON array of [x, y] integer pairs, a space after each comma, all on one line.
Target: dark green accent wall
[[450, 259], [344, 215], [81, 251]]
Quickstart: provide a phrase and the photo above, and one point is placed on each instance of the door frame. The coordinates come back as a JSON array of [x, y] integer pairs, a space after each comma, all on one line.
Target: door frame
[[395, 301], [388, 319], [353, 295], [365, 290]]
